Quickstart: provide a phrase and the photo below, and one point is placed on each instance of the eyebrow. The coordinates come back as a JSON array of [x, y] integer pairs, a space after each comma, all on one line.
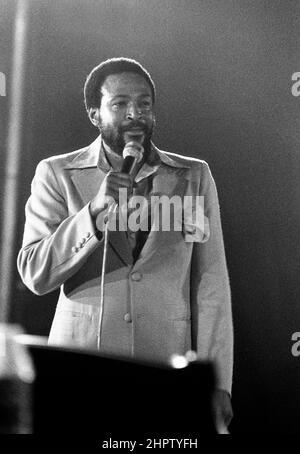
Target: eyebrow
[[143, 95]]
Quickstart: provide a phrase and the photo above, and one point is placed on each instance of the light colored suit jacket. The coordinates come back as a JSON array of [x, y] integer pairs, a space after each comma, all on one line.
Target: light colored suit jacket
[[174, 298]]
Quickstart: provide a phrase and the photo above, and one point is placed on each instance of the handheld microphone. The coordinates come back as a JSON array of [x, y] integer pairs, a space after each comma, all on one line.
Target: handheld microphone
[[132, 154]]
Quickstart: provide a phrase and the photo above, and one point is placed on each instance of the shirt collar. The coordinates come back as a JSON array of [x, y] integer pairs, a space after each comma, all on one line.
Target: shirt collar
[[150, 166], [94, 156]]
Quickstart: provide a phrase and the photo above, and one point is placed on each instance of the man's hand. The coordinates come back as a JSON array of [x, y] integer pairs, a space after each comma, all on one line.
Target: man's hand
[[222, 410], [109, 190]]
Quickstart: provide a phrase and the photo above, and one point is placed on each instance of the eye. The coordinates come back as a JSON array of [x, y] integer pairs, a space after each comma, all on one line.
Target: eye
[[146, 104], [119, 105]]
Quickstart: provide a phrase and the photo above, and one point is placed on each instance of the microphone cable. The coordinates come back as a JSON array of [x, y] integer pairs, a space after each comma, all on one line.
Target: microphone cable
[[102, 285], [132, 154]]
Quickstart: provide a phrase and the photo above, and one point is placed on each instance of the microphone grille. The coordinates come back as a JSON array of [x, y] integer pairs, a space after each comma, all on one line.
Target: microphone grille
[[133, 149]]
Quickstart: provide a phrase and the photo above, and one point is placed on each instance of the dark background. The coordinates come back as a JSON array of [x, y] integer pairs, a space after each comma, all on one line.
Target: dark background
[[223, 76]]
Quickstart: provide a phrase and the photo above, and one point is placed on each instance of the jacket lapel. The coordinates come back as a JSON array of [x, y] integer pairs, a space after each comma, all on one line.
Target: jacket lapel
[[87, 182], [87, 179], [164, 184], [170, 178]]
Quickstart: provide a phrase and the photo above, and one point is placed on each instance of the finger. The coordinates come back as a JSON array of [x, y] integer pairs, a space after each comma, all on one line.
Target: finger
[[122, 196], [116, 190], [119, 176], [119, 183]]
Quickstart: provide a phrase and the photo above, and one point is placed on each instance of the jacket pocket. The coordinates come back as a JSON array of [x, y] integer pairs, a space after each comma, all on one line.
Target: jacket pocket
[[70, 328]]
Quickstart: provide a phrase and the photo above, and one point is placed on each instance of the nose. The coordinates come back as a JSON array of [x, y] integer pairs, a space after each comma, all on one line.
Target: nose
[[133, 111]]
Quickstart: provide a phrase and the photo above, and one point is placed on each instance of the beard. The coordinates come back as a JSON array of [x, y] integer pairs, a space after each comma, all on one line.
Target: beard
[[113, 136]]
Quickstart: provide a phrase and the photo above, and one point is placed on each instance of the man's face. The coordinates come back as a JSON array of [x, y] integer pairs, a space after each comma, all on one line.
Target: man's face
[[126, 111]]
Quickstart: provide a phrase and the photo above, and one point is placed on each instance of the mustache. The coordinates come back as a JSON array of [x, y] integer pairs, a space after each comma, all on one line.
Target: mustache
[[134, 124]]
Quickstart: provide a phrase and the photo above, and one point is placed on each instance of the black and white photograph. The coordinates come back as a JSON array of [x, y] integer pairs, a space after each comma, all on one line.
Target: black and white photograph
[[150, 219]]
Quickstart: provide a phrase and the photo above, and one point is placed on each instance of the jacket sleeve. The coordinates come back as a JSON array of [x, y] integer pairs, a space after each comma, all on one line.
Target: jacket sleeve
[[210, 291], [55, 245]]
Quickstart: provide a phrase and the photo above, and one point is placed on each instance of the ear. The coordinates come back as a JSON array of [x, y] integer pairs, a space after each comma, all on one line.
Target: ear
[[94, 116]]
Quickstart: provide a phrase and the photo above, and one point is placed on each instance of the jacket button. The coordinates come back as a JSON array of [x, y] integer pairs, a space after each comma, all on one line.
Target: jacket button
[[136, 276], [127, 318], [87, 235], [74, 249]]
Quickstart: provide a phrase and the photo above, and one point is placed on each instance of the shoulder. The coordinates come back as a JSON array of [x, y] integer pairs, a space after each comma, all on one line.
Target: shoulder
[[85, 157], [184, 160], [65, 159], [197, 166], [82, 158], [51, 170]]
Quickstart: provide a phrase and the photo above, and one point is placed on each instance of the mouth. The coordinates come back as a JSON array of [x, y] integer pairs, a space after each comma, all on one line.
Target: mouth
[[135, 130], [134, 134]]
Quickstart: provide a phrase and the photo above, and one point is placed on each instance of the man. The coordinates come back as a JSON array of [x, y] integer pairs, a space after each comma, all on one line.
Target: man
[[165, 292]]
